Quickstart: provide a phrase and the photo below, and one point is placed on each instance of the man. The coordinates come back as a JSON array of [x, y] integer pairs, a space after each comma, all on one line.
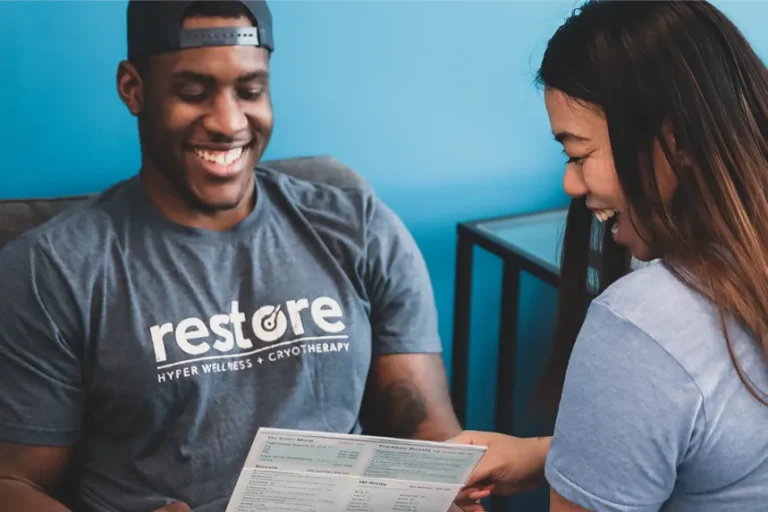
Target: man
[[147, 334]]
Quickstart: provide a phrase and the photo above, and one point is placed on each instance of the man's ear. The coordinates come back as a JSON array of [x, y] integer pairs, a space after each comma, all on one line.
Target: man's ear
[[130, 87]]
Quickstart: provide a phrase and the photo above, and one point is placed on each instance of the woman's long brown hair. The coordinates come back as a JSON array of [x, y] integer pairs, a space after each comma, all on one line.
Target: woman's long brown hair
[[684, 65]]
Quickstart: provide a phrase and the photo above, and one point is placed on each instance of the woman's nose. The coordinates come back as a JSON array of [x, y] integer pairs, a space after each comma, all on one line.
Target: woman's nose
[[573, 181]]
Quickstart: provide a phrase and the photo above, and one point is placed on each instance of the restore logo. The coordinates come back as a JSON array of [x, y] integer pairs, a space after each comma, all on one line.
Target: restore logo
[[223, 335]]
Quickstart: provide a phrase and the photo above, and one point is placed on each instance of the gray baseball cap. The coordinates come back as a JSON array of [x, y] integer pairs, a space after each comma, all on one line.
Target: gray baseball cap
[[155, 26]]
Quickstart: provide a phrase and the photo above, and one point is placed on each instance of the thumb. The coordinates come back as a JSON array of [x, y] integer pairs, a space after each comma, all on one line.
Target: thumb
[[175, 507]]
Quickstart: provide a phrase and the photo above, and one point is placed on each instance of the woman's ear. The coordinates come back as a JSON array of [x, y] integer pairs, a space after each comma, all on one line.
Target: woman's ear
[[680, 153], [130, 87]]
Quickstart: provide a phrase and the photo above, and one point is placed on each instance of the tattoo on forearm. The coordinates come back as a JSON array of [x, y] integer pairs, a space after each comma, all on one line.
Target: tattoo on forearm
[[403, 408]]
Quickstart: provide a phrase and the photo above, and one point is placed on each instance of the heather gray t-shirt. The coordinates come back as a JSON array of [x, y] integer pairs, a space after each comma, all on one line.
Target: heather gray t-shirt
[[161, 349], [653, 415]]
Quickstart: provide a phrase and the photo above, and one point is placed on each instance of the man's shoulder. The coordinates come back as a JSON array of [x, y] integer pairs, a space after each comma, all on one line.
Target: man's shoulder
[[78, 229], [353, 206], [310, 191]]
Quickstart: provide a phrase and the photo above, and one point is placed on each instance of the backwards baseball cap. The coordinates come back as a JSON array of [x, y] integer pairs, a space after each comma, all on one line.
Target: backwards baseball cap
[[156, 26]]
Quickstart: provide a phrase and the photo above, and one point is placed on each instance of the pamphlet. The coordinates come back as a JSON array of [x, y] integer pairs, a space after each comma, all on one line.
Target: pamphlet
[[300, 471]]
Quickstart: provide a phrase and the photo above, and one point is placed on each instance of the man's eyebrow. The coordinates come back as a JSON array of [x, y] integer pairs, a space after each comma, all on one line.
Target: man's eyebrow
[[255, 76], [195, 76], [192, 76], [565, 136]]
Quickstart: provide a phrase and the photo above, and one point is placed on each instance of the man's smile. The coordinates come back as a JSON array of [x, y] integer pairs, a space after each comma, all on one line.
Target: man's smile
[[221, 163]]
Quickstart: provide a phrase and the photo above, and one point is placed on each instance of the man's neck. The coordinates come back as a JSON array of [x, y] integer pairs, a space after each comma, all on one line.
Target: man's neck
[[171, 205]]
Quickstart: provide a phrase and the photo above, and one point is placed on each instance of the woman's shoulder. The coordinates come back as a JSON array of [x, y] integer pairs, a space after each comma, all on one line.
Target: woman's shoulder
[[654, 302], [686, 326], [658, 302], [652, 402]]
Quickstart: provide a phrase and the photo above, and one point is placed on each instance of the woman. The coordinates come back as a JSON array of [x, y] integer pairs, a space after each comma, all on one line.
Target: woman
[[662, 110]]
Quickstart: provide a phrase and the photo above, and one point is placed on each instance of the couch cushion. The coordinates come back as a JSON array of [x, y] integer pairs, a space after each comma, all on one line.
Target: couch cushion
[[19, 215]]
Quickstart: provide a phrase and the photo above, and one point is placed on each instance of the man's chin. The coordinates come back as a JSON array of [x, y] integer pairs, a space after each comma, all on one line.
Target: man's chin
[[213, 204], [211, 198]]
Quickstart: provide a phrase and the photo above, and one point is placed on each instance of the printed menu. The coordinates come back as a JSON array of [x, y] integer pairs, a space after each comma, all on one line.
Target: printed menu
[[300, 471]]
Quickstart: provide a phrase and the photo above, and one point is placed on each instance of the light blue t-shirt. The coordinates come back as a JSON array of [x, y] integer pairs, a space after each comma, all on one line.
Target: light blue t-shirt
[[654, 416]]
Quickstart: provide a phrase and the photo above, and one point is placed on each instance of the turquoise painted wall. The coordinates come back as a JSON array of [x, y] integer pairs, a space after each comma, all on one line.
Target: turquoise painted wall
[[433, 102]]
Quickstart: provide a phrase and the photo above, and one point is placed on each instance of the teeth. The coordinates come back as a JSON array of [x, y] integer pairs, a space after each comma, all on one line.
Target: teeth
[[615, 228], [604, 215], [220, 157]]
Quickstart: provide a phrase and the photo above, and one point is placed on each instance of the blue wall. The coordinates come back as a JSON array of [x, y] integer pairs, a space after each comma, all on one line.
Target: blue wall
[[433, 102]]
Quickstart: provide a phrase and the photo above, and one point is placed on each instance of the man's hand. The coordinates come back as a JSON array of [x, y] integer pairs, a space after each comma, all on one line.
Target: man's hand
[[510, 466], [175, 507], [30, 475]]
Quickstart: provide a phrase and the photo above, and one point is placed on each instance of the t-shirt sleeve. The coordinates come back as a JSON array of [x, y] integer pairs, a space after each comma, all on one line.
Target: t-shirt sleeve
[[629, 416], [42, 395], [403, 311]]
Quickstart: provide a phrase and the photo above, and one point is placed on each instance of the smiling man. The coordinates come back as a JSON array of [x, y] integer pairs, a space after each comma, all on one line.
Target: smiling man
[[203, 105], [149, 332]]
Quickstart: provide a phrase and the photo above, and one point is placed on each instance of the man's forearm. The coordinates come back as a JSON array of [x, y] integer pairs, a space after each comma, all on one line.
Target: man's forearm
[[437, 433], [429, 418], [408, 397], [438, 428], [21, 496], [403, 411]]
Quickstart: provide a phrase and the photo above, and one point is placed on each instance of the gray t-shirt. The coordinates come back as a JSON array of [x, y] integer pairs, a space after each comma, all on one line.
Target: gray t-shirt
[[161, 349], [653, 414]]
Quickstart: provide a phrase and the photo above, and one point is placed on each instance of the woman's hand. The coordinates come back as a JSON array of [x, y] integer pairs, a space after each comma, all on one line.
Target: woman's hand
[[511, 465]]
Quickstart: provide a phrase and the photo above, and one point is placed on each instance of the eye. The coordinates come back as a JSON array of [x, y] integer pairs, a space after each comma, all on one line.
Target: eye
[[574, 159], [192, 94], [192, 98], [251, 94]]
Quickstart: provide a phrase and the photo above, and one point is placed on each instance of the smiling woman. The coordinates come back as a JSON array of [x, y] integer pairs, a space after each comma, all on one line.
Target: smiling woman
[[667, 373], [660, 380], [590, 173]]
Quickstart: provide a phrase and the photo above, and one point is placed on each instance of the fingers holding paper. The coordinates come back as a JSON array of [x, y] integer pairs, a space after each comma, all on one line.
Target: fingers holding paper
[[511, 465]]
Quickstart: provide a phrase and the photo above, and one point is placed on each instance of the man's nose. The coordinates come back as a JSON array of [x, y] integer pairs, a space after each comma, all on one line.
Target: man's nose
[[227, 118], [573, 182]]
